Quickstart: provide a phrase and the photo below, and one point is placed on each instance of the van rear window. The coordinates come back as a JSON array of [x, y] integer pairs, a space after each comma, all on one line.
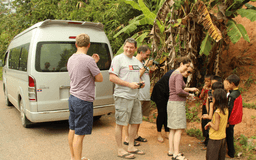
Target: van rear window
[[53, 56]]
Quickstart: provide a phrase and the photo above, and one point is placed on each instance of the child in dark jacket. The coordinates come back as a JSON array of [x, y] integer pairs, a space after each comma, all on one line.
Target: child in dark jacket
[[235, 111]]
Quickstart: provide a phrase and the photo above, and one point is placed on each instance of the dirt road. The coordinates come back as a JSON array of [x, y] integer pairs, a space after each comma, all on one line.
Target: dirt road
[[48, 141]]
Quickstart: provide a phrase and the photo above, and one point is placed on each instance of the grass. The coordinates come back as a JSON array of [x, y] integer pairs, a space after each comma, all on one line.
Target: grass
[[144, 118], [242, 89], [242, 146], [234, 71], [191, 114], [249, 81], [249, 105], [193, 132]]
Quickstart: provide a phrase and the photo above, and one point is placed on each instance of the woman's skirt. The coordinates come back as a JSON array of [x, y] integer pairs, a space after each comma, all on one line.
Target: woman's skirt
[[176, 112]]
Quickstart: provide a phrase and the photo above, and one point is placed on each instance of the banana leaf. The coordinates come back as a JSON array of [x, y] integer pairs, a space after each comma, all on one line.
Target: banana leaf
[[248, 13], [206, 45], [236, 31]]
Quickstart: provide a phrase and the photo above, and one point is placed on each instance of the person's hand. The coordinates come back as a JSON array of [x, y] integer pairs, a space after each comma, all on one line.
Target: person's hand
[[191, 95], [207, 126], [148, 63], [96, 57], [134, 85], [205, 116]]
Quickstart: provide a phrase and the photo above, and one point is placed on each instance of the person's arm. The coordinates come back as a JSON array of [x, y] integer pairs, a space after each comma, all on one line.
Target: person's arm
[[209, 116], [207, 104], [142, 71], [190, 89], [202, 95], [178, 86], [148, 63], [215, 125], [113, 78], [98, 78]]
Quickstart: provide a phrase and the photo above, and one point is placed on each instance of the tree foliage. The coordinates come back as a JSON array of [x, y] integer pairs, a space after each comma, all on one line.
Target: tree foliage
[[111, 13], [198, 29]]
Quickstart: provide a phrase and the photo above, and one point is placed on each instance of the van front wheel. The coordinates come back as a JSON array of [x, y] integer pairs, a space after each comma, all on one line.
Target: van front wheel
[[7, 102], [25, 122]]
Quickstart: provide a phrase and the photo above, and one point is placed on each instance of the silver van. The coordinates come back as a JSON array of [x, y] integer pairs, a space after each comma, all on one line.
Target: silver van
[[35, 77]]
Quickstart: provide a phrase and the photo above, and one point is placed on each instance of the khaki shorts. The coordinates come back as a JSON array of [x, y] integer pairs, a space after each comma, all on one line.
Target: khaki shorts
[[145, 105], [127, 111]]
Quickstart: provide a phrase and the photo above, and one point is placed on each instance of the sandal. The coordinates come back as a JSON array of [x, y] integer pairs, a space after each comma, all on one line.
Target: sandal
[[83, 158], [135, 143], [179, 157], [171, 154], [141, 139], [139, 152], [126, 156]]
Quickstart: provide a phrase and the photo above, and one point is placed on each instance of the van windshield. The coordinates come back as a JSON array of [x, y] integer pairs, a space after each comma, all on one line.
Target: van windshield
[[53, 56]]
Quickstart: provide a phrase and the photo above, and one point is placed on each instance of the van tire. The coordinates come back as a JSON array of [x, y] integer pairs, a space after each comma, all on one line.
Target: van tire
[[7, 102], [25, 122]]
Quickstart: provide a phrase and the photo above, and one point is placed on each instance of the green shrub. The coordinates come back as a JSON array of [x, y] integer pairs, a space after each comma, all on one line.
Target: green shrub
[[193, 132], [249, 105], [191, 114]]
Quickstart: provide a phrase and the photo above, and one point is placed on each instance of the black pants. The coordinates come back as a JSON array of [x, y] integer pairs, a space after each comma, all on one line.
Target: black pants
[[203, 123], [216, 149], [162, 115], [230, 140]]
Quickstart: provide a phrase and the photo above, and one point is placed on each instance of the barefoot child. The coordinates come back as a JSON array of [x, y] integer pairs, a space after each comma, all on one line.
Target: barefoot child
[[209, 107], [216, 148], [203, 95]]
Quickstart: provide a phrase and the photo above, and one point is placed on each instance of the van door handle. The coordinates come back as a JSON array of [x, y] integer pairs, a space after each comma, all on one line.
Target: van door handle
[[64, 87]]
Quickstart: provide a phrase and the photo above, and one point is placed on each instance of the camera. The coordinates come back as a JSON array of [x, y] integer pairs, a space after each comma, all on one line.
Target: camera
[[140, 84], [154, 62], [210, 96]]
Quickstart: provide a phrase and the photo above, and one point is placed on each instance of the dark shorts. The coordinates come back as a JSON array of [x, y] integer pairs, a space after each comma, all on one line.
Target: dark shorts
[[81, 115]]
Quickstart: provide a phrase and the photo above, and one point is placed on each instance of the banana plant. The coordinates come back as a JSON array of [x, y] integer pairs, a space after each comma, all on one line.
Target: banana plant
[[195, 29], [146, 18]]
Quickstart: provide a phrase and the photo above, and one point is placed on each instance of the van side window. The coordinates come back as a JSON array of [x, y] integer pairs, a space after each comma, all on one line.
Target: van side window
[[53, 56], [24, 57], [14, 58]]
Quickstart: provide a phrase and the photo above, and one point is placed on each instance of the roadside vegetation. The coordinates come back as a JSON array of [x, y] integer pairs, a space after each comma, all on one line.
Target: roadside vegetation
[[245, 147], [1, 73]]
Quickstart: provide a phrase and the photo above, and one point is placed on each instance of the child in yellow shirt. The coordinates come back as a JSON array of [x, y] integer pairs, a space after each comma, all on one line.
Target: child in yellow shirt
[[216, 148]]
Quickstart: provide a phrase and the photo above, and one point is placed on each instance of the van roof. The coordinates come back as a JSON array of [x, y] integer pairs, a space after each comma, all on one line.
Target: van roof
[[64, 22]]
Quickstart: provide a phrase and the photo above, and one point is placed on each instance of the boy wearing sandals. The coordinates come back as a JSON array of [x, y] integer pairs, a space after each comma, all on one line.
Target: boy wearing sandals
[[125, 73]]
